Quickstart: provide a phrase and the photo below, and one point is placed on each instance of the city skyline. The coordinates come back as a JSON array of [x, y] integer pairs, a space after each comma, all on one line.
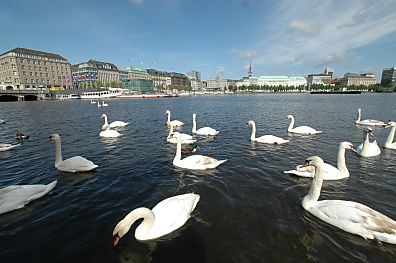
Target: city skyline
[[215, 38]]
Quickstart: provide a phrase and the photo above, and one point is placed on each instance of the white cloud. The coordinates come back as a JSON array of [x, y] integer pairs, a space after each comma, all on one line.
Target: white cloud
[[334, 29], [244, 54]]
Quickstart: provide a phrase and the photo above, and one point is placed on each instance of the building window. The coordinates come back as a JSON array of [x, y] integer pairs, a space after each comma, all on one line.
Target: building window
[[24, 73], [15, 73], [32, 81]]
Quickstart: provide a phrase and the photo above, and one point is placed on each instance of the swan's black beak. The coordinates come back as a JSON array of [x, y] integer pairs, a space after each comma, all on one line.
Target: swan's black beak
[[353, 149], [50, 138]]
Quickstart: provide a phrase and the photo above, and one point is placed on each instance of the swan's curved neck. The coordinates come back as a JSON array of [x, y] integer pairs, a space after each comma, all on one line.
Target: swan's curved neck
[[194, 129], [366, 137], [341, 165], [253, 135], [168, 116], [105, 119], [178, 150], [391, 135], [359, 115], [291, 124], [58, 151], [144, 228], [314, 192]]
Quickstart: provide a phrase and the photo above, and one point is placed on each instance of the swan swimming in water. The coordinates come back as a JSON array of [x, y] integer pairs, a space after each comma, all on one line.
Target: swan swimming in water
[[167, 216], [93, 102], [17, 196], [368, 122], [305, 130], [194, 162], [207, 131], [389, 144], [7, 146], [175, 123], [72, 165], [367, 148], [114, 124], [349, 216], [185, 138], [269, 139], [329, 172], [104, 104], [109, 133]]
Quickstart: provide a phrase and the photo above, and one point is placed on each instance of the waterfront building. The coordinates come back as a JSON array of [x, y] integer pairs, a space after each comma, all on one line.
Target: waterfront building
[[179, 79], [247, 81], [27, 69], [319, 79], [214, 85], [139, 85], [388, 77], [137, 73], [350, 79], [160, 79], [197, 85], [92, 71], [194, 75]]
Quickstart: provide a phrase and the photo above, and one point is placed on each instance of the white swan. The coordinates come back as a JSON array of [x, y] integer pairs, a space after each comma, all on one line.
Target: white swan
[[329, 172], [93, 102], [99, 105], [269, 139], [367, 148], [7, 146], [74, 164], [175, 123], [305, 130], [389, 141], [207, 131], [349, 216], [2, 121], [114, 124], [108, 133], [167, 216], [185, 138], [104, 104], [194, 162], [17, 196], [368, 122]]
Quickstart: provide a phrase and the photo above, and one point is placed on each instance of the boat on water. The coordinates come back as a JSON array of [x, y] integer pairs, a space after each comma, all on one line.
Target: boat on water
[[103, 94], [142, 96]]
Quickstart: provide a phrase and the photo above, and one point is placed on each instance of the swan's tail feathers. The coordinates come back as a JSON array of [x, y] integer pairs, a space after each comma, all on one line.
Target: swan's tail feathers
[[51, 186], [217, 132], [220, 162], [318, 132]]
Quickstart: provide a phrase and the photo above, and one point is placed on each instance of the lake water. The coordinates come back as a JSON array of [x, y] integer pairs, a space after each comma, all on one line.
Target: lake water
[[249, 209]]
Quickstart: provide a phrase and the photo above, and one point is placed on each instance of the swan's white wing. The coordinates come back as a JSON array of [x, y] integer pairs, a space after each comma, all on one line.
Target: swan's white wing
[[207, 131], [76, 164], [199, 162], [271, 139], [109, 134], [115, 124], [173, 212], [176, 123], [185, 136], [17, 196], [305, 130], [357, 219], [7, 146], [330, 172], [370, 122]]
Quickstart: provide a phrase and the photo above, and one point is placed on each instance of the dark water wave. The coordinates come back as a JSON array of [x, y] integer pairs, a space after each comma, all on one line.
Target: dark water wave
[[249, 209]]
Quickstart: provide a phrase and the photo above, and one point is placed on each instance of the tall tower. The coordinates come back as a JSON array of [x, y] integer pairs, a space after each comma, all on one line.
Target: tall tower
[[250, 69]]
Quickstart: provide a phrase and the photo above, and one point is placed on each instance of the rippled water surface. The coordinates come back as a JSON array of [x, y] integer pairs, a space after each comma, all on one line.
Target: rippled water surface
[[249, 209]]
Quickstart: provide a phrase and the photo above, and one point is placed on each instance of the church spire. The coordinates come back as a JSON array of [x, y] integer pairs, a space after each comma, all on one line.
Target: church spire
[[250, 69]]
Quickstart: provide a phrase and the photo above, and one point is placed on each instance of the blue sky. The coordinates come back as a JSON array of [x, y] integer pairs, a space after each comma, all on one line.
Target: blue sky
[[217, 38]]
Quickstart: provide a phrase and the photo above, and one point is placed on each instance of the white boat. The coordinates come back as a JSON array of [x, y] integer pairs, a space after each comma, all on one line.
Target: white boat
[[103, 94]]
